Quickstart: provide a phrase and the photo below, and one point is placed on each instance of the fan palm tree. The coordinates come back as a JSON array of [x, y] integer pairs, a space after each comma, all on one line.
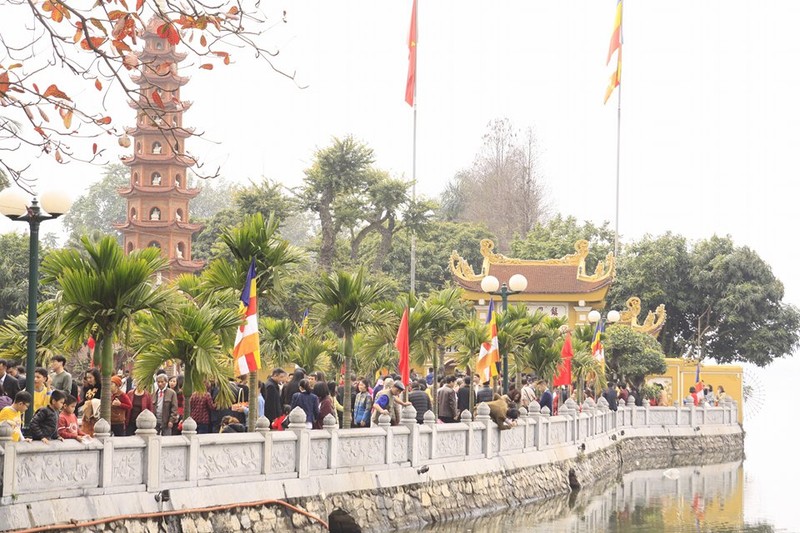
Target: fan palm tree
[[344, 303], [199, 336], [252, 239], [101, 289]]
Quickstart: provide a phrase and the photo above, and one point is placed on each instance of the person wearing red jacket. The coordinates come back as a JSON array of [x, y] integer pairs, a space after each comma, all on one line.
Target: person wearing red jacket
[[140, 401], [120, 407]]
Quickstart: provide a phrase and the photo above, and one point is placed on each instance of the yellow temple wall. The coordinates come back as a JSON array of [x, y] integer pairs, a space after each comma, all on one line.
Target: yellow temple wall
[[680, 375]]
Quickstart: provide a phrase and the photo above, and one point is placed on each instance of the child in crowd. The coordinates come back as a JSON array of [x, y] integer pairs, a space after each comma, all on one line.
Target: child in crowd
[[12, 414], [280, 423], [40, 390], [68, 423], [44, 425]]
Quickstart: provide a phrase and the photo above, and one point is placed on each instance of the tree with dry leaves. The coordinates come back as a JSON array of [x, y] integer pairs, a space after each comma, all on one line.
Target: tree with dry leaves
[[63, 61]]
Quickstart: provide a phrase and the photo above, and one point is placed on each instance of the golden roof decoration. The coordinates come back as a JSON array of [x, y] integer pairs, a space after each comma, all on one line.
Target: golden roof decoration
[[462, 270], [653, 322]]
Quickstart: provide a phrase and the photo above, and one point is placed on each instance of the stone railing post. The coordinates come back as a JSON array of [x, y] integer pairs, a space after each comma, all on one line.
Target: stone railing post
[[646, 406], [631, 405], [408, 418], [523, 421], [572, 408], [262, 428], [146, 430], [544, 421], [483, 417], [189, 431], [9, 458], [693, 415], [297, 424], [466, 418], [331, 424], [534, 416]]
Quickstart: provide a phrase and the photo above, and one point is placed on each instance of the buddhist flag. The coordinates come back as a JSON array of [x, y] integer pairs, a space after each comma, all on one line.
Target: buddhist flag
[[615, 46], [564, 376], [490, 351], [411, 81], [401, 342], [597, 344], [246, 354], [304, 323]]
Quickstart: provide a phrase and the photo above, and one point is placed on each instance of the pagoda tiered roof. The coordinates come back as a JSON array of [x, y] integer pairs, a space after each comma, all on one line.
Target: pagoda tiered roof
[[186, 264], [170, 106], [564, 276], [157, 190], [153, 78], [159, 224], [145, 129], [171, 158]]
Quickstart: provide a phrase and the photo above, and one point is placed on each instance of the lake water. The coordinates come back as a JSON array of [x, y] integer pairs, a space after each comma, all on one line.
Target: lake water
[[756, 495]]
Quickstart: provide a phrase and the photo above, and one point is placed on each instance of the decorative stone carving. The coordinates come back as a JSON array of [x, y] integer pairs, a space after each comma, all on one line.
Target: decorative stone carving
[[262, 424], [545, 411], [400, 449], [513, 439], [319, 454], [52, 469], [330, 422], [466, 416], [523, 412], [127, 467], [189, 427], [425, 445], [283, 457], [477, 443], [451, 443], [483, 412], [558, 433], [658, 416], [429, 417], [408, 414], [631, 401], [571, 404], [229, 460], [534, 408], [146, 423], [297, 419], [102, 429], [358, 451], [384, 420], [6, 431], [590, 403], [173, 464], [602, 403]]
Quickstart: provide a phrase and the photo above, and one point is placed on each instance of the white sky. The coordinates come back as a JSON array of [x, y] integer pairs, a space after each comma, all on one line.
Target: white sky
[[710, 110]]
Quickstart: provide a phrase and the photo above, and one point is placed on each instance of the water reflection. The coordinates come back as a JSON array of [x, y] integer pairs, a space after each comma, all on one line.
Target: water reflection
[[683, 499]]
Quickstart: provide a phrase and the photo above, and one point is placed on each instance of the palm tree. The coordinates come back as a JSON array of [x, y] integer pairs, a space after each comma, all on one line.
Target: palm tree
[[312, 353], [102, 289], [14, 336], [277, 338], [252, 239], [514, 326], [344, 303], [199, 336], [542, 349]]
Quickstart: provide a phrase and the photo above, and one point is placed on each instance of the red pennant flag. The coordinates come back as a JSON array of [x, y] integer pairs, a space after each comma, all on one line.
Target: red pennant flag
[[564, 376], [411, 81], [401, 342]]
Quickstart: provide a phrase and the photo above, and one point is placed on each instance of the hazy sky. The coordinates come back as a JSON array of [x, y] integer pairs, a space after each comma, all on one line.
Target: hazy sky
[[710, 110]]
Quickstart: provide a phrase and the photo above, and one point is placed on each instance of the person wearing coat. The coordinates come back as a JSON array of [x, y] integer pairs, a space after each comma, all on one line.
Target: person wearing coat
[[165, 402], [271, 391]]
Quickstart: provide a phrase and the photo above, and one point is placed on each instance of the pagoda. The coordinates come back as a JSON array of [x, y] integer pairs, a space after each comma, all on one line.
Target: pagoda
[[158, 196], [559, 287]]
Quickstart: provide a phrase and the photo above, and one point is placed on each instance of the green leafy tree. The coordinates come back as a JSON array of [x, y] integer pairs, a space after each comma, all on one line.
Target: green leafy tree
[[14, 264], [557, 237], [631, 355], [101, 290], [101, 206], [336, 177], [344, 303], [542, 349], [277, 337]]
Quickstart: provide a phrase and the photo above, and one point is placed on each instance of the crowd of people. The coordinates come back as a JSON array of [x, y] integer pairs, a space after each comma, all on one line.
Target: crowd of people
[[65, 410]]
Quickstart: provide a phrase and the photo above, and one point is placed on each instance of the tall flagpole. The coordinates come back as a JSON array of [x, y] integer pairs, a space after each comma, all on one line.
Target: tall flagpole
[[415, 37], [619, 129]]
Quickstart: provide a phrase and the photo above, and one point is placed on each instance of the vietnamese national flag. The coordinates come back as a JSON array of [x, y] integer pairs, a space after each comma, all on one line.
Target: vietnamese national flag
[[564, 376], [401, 342], [411, 81]]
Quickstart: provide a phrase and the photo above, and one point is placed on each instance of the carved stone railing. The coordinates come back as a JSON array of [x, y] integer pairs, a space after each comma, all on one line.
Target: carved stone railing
[[146, 462]]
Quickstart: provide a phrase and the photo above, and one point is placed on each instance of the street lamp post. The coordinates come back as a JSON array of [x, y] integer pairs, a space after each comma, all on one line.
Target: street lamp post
[[14, 205], [516, 284]]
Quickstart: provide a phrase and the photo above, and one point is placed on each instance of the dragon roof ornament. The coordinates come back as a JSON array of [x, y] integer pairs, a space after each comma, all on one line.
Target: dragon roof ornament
[[653, 322]]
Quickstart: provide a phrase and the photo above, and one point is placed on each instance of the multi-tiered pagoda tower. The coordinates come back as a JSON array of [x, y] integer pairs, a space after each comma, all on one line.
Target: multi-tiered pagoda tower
[[158, 197]]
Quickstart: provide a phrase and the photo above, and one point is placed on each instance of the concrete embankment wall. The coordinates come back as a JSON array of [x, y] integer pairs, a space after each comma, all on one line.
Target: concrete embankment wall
[[384, 478]]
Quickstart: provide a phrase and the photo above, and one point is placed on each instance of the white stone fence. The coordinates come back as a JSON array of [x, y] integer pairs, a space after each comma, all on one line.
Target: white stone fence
[[148, 463]]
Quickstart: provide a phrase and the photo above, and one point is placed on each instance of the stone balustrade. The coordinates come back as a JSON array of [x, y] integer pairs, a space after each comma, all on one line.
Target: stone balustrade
[[147, 463]]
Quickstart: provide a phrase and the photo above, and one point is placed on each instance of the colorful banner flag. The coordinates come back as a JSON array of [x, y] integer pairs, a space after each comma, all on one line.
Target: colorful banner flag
[[401, 342], [564, 376], [597, 345], [490, 351], [246, 351], [411, 80], [615, 46], [304, 323]]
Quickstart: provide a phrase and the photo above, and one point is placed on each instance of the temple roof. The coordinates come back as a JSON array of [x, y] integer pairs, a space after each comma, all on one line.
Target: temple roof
[[158, 224], [186, 264], [144, 129], [158, 190], [171, 158], [148, 76], [566, 275]]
